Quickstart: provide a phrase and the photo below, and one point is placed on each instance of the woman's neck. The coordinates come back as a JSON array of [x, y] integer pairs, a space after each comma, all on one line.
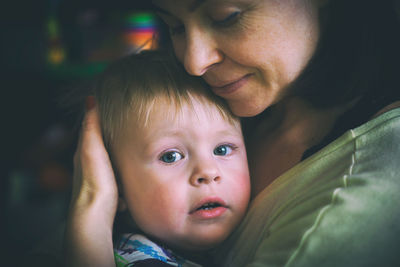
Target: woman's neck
[[279, 140], [302, 124]]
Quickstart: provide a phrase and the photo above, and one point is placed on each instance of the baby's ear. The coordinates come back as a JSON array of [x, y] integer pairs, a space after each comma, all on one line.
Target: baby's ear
[[121, 204]]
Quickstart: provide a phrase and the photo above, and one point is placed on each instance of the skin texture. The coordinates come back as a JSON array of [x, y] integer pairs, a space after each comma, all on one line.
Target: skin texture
[[169, 167], [248, 51]]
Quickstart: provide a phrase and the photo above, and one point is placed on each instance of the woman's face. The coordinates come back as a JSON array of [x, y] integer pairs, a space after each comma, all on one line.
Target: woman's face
[[248, 51]]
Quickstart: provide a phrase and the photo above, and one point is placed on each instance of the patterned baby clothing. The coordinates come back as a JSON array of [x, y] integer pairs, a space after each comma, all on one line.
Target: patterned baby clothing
[[138, 250]]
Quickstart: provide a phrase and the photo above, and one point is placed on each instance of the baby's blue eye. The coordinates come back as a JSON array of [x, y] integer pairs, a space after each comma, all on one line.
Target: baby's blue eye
[[222, 150], [171, 157]]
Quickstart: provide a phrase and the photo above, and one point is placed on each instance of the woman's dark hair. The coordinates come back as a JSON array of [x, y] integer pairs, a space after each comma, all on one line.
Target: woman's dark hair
[[357, 56], [357, 59]]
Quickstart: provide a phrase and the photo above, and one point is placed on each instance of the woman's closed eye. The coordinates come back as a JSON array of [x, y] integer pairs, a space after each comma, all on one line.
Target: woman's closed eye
[[171, 157], [224, 150], [227, 20]]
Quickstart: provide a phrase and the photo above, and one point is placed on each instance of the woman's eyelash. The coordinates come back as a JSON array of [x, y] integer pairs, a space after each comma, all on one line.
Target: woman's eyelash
[[231, 18]]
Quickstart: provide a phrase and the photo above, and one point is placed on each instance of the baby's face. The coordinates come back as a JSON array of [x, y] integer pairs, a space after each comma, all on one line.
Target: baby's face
[[184, 175]]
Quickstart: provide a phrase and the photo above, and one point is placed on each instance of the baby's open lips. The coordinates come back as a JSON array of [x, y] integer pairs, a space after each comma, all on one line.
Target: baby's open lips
[[208, 204]]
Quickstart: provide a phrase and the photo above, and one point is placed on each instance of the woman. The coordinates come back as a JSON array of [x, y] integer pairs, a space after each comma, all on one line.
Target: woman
[[316, 81]]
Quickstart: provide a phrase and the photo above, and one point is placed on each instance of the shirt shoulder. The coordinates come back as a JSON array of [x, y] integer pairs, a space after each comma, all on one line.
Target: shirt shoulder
[[337, 207]]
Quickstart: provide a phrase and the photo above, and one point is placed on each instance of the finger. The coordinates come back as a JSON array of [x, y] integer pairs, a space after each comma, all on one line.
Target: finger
[[90, 103], [95, 162], [91, 137]]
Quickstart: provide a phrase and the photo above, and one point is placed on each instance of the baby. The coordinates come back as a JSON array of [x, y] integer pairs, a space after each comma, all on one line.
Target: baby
[[179, 157]]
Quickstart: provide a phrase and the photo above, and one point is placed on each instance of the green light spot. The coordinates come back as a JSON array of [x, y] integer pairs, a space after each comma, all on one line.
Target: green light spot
[[140, 19], [52, 27]]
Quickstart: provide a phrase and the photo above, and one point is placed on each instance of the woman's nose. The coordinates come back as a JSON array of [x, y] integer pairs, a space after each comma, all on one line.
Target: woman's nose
[[201, 52], [205, 174]]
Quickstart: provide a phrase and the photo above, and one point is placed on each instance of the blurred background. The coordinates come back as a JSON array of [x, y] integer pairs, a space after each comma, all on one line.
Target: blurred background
[[48, 47]]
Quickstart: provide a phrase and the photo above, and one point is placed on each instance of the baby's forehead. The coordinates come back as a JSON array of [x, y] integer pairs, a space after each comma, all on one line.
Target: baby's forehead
[[175, 109], [190, 119]]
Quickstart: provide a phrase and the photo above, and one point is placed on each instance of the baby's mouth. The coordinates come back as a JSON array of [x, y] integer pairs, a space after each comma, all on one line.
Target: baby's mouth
[[209, 206]]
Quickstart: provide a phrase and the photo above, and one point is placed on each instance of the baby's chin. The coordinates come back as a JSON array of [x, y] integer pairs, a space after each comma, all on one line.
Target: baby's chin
[[199, 243]]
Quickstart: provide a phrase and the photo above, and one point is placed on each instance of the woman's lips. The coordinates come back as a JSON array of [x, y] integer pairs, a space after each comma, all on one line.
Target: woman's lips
[[230, 87]]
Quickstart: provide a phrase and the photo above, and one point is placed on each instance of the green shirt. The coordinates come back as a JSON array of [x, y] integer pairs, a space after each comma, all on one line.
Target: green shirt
[[339, 207]]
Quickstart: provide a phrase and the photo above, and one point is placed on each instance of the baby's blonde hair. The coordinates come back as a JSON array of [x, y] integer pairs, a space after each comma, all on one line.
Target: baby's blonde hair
[[133, 84]]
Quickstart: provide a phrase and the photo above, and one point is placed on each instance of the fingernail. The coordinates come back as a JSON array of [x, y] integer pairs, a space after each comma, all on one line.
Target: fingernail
[[90, 102]]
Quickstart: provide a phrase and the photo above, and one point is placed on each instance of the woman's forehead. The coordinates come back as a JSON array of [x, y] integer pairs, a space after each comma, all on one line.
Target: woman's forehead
[[186, 5], [190, 6], [164, 6]]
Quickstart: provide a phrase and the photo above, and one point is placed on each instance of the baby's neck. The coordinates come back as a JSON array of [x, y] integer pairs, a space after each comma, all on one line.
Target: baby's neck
[[201, 257]]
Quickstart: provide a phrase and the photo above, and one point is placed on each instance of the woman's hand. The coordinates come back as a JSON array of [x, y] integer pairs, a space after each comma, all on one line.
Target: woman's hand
[[94, 179], [88, 236]]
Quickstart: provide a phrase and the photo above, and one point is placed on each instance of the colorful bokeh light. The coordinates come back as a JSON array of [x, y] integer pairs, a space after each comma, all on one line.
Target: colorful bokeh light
[[140, 31]]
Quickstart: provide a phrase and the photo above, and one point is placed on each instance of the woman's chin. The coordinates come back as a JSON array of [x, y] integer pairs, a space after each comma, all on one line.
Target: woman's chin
[[246, 109]]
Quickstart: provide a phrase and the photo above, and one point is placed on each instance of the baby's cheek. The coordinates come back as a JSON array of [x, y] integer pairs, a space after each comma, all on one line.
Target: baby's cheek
[[168, 205], [242, 189], [243, 178]]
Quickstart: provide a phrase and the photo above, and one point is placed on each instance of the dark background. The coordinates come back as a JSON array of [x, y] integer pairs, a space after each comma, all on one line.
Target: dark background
[[39, 133]]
